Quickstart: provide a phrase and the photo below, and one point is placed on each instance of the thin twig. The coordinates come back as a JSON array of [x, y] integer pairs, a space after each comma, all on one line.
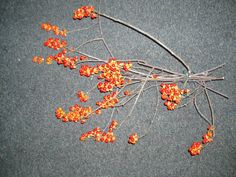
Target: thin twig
[[214, 91], [108, 49], [90, 56], [111, 117], [132, 95], [212, 69], [131, 111], [191, 100], [199, 112], [210, 104], [155, 113], [101, 32], [158, 68], [88, 42]]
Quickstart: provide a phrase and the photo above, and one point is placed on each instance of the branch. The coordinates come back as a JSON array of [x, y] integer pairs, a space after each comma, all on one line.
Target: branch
[[148, 36]]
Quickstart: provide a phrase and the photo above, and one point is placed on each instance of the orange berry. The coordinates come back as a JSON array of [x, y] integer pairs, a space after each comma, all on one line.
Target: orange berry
[[99, 111], [40, 60], [154, 76], [35, 59], [133, 138], [83, 121], [93, 16], [126, 92], [82, 57]]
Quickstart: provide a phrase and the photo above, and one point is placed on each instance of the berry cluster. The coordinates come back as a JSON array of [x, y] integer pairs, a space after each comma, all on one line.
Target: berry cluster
[[196, 147], [76, 113], [55, 43], [109, 101], [49, 59], [172, 94], [82, 96], [133, 138], [110, 72], [126, 66], [61, 58], [105, 87], [100, 136], [49, 27], [208, 136], [113, 125], [37, 59], [84, 11], [87, 71]]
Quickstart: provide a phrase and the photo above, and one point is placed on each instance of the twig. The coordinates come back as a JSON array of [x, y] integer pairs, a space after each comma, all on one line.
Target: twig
[[210, 104], [112, 113], [131, 111], [214, 91], [132, 95], [199, 112], [191, 100], [155, 113], [212, 69], [87, 42], [90, 56], [101, 32], [158, 68]]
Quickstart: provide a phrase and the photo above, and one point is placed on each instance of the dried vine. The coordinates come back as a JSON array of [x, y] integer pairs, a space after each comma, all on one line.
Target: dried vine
[[125, 80]]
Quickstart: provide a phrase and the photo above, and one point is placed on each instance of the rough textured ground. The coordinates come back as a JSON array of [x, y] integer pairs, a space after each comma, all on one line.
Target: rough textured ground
[[34, 143]]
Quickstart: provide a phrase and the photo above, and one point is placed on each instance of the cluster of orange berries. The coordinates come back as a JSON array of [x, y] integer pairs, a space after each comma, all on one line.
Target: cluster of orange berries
[[87, 71], [84, 11], [172, 94], [100, 136], [55, 43], [38, 59], [61, 58], [109, 101], [208, 136], [105, 87], [49, 27], [82, 96], [76, 113], [49, 59], [110, 72], [126, 66], [133, 138], [196, 147]]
